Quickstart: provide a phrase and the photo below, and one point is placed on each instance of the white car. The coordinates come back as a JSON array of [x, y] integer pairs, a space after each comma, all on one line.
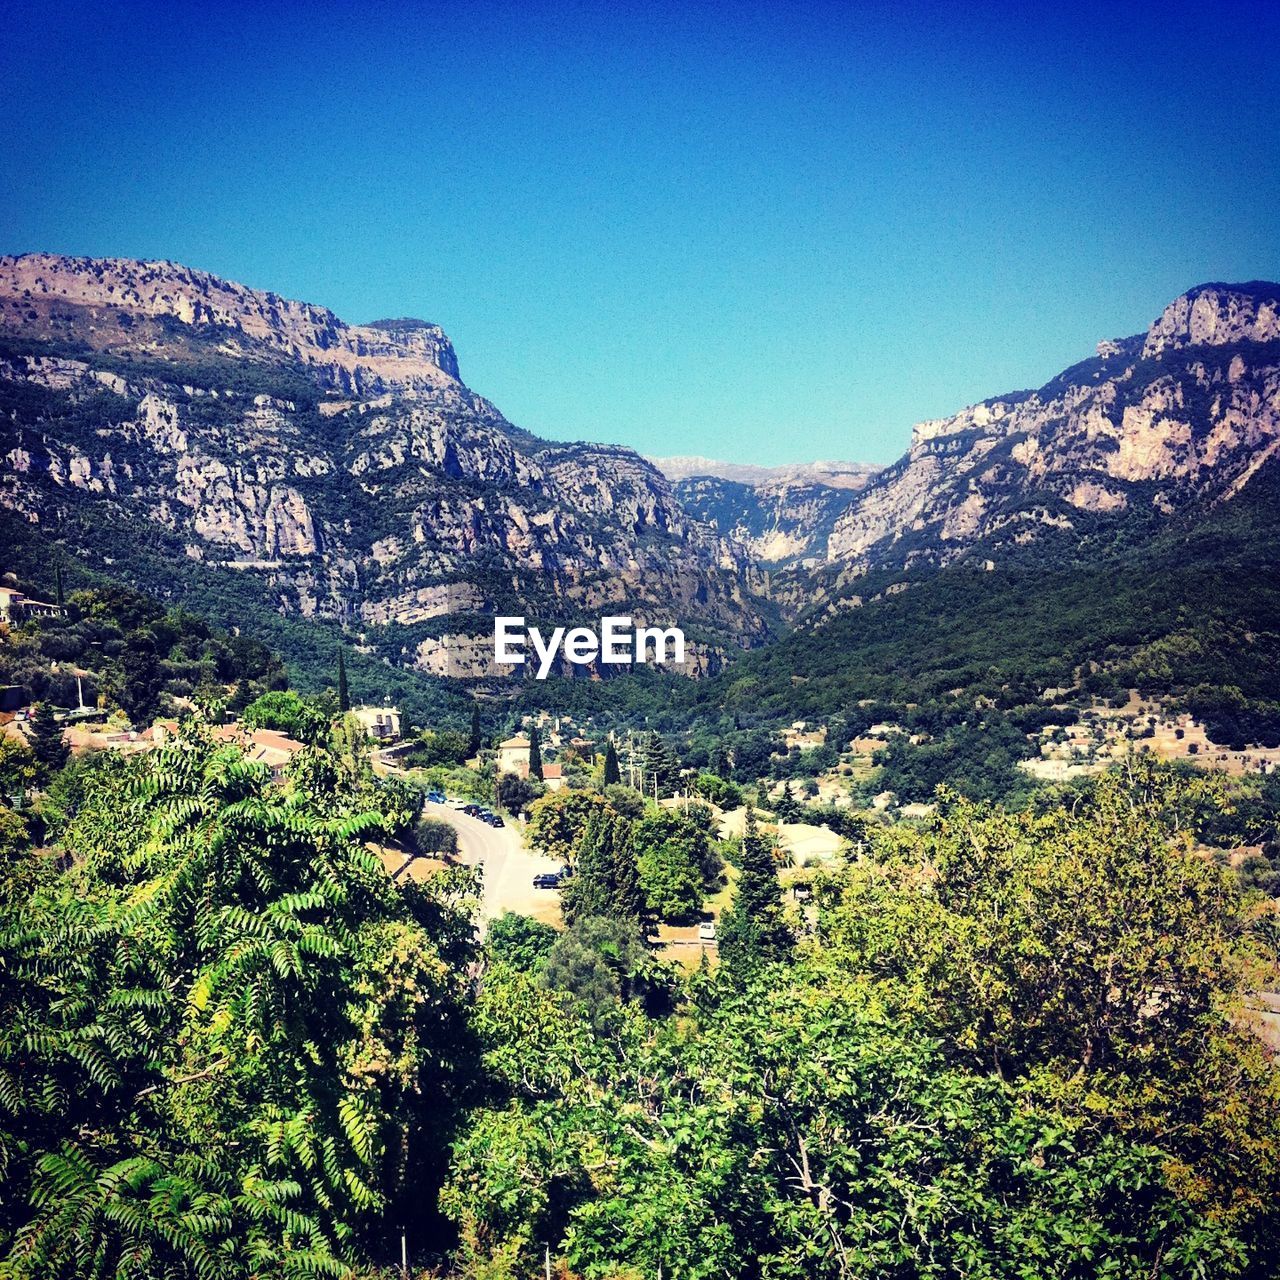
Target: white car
[[707, 931]]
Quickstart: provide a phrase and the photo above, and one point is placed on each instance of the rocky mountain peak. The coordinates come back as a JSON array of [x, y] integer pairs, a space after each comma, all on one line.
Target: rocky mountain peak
[[1216, 314], [46, 289]]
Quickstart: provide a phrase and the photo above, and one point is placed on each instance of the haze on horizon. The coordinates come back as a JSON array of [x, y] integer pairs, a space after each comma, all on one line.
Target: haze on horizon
[[770, 239]]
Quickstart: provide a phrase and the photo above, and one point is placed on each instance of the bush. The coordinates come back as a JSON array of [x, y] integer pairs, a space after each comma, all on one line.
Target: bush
[[520, 941], [432, 836]]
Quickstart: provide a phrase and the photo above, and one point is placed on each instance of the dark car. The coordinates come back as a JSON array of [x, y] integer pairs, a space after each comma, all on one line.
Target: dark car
[[495, 820], [546, 880], [472, 810]]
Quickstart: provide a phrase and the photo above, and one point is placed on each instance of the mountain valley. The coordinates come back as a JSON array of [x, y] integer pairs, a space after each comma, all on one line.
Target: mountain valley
[[250, 455]]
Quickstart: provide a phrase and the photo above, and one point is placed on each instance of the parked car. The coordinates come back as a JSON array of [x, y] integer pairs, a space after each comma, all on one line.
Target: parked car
[[546, 880], [495, 820], [472, 810], [436, 797], [707, 931]]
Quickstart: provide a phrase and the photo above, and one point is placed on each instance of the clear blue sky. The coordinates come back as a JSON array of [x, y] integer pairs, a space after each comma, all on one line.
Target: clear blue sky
[[765, 233]]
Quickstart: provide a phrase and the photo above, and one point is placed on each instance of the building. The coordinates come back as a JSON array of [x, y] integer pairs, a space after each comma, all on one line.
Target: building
[[553, 776], [800, 736], [513, 756], [262, 746], [382, 724], [16, 607]]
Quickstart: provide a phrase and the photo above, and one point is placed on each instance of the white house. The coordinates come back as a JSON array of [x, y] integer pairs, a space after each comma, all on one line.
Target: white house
[[380, 723], [513, 756], [16, 607]]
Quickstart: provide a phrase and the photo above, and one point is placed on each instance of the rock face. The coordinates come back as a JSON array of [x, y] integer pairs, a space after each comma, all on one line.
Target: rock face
[[1184, 413], [778, 515], [349, 474], [346, 469], [88, 296], [776, 523]]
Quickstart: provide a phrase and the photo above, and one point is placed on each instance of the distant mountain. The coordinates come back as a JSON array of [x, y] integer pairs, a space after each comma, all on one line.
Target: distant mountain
[[1181, 415], [777, 515], [257, 455], [835, 475], [167, 419]]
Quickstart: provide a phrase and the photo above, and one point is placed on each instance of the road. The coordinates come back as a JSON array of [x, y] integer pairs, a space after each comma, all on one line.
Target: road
[[508, 867]]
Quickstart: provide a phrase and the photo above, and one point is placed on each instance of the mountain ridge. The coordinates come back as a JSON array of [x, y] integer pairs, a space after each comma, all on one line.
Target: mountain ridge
[[350, 476], [347, 471]]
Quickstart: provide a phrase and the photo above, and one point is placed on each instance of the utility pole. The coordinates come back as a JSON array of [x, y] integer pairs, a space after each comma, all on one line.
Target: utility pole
[[404, 1257], [548, 1262]]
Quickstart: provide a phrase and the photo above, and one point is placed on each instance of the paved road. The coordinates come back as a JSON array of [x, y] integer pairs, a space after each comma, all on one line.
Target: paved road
[[508, 867]]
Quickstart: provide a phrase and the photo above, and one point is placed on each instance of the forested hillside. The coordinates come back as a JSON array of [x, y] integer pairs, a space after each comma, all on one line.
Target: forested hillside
[[232, 1046]]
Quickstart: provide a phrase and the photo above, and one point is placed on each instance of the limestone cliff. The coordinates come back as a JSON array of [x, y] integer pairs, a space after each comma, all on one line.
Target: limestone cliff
[[777, 515], [345, 469], [1182, 414]]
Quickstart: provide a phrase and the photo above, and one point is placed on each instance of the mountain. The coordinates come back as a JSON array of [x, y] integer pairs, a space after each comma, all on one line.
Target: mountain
[[168, 421], [834, 475], [1182, 415], [777, 515], [255, 456]]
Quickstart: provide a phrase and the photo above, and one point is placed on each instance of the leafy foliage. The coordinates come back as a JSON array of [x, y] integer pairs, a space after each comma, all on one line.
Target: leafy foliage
[[216, 1024], [1012, 1047]]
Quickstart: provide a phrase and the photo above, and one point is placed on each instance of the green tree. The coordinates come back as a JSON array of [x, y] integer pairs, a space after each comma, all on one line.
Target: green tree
[[520, 941], [559, 819], [344, 694], [18, 768], [676, 865], [438, 746], [628, 898], [590, 890], [58, 598], [612, 774], [47, 745], [14, 835], [514, 793], [474, 738], [599, 961], [214, 1029], [753, 932], [535, 754], [289, 713], [661, 769], [433, 836]]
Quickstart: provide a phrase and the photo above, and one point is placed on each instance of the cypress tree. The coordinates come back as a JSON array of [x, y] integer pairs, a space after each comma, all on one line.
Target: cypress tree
[[612, 773], [535, 754], [753, 931], [759, 893], [46, 740], [473, 742], [57, 586], [344, 695], [590, 888], [659, 764], [628, 897]]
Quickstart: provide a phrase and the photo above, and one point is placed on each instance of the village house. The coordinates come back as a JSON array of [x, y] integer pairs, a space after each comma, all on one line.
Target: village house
[[513, 756], [262, 746], [16, 607], [382, 724], [553, 777]]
